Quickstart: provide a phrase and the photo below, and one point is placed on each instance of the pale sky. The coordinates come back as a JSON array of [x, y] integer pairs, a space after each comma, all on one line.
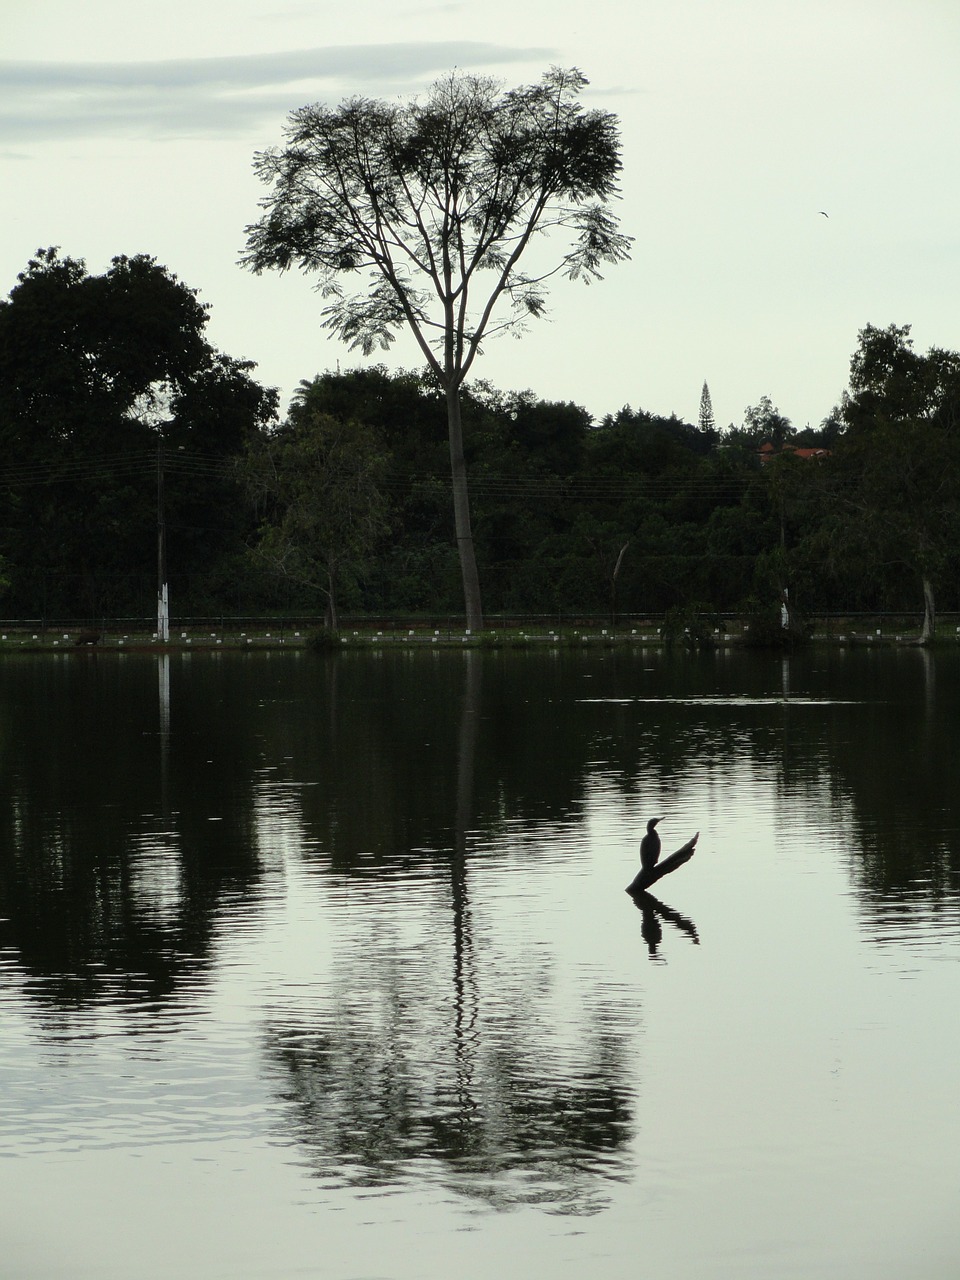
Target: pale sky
[[129, 126]]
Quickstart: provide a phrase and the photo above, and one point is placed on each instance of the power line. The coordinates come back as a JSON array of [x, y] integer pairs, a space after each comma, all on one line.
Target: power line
[[142, 465]]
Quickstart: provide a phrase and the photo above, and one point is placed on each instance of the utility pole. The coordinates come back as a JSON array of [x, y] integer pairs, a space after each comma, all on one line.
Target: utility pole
[[163, 597]]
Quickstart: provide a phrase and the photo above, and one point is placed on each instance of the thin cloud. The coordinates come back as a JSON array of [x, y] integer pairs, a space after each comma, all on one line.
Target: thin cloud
[[214, 97]]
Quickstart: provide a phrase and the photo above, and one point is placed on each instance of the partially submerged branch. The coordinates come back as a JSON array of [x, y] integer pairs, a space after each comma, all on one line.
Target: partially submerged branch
[[645, 878]]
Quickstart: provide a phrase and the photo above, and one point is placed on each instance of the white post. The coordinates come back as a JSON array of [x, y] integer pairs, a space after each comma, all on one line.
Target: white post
[[163, 599]]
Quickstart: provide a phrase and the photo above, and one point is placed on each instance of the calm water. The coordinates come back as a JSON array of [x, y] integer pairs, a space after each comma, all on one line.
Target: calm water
[[323, 967]]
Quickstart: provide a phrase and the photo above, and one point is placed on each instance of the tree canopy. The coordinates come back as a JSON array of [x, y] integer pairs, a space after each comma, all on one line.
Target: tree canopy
[[898, 462], [317, 485], [92, 368]]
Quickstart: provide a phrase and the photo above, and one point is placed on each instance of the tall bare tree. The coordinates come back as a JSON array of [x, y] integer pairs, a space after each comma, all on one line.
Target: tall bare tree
[[436, 202]]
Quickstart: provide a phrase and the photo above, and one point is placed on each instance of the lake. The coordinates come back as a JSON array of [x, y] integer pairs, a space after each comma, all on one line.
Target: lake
[[323, 966]]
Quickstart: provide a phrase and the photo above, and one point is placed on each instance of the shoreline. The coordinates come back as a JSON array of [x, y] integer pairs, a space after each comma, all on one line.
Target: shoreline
[[38, 642]]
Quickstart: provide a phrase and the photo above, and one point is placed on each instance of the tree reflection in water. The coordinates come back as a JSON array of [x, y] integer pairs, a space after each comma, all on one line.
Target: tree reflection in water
[[399, 782], [492, 1116], [115, 852], [458, 1078]]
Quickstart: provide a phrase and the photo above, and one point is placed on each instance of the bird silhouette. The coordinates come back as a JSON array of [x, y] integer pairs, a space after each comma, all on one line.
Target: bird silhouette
[[824, 213], [650, 846]]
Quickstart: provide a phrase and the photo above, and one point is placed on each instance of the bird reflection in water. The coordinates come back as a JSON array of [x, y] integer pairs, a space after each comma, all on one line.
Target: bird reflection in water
[[654, 911]]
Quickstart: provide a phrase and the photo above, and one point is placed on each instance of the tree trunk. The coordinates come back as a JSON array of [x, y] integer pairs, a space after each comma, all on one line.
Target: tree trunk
[[332, 621], [929, 612], [461, 512], [613, 582]]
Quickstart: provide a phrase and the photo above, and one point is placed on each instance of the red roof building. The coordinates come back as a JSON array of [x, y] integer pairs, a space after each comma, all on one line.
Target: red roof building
[[768, 452]]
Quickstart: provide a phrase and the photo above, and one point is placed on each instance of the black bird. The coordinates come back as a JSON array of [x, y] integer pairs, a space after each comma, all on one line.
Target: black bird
[[650, 846]]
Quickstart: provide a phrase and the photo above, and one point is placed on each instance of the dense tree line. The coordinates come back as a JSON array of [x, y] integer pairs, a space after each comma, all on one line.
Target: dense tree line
[[345, 505]]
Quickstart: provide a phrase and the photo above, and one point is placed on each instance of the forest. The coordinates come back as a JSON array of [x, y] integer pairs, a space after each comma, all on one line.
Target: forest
[[119, 418]]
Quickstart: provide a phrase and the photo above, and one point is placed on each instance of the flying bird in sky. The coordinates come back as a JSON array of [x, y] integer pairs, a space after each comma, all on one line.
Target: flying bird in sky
[[826, 215]]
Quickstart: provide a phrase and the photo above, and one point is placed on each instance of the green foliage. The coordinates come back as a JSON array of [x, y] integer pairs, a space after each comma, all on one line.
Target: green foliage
[[317, 484], [691, 625], [93, 369], [346, 504], [764, 629], [429, 194], [892, 486], [706, 421], [765, 422], [324, 640]]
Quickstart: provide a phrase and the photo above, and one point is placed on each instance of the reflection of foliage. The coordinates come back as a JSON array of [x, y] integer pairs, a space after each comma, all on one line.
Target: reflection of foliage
[[86, 838], [505, 1120], [889, 758], [81, 784], [879, 758], [424, 1071], [101, 891]]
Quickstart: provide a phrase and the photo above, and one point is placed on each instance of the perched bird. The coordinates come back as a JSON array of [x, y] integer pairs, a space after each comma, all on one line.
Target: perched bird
[[650, 846]]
